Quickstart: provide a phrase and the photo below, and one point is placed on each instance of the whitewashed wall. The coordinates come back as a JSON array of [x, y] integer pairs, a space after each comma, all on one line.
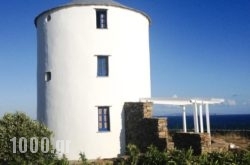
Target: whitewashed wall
[[67, 47]]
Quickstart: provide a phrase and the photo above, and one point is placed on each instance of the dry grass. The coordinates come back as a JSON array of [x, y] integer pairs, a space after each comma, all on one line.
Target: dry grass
[[222, 140], [98, 161]]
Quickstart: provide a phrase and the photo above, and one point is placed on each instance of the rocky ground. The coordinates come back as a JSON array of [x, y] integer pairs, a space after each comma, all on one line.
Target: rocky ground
[[221, 142]]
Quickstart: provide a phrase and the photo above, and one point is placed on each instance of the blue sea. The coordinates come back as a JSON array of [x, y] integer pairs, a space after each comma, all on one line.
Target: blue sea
[[225, 122]]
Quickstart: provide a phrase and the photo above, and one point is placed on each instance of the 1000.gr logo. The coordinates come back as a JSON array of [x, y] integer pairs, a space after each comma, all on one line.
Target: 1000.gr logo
[[61, 145]]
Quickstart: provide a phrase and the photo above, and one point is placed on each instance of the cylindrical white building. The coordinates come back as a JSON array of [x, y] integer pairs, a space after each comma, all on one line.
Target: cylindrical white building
[[93, 55]]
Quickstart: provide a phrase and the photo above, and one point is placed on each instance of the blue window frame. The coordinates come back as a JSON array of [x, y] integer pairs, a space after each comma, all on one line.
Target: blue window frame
[[101, 19], [103, 119], [102, 66]]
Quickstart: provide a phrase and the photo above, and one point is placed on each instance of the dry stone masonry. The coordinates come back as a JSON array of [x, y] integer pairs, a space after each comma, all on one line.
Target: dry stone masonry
[[199, 142], [143, 130]]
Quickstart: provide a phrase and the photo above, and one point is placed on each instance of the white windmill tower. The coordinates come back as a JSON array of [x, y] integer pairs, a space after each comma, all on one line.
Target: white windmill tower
[[93, 55]]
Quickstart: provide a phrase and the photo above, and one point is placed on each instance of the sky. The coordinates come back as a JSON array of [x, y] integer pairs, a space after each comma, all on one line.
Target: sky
[[199, 48]]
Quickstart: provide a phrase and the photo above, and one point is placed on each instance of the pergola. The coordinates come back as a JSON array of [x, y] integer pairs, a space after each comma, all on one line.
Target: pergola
[[197, 105]]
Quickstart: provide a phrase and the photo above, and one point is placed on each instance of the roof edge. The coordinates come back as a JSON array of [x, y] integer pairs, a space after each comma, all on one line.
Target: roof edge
[[73, 5]]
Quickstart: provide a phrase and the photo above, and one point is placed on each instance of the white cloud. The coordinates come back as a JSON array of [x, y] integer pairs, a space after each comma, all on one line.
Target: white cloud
[[246, 102], [175, 96], [230, 102]]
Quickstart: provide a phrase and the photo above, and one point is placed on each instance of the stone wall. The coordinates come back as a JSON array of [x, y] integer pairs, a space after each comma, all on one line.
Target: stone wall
[[143, 130], [200, 143]]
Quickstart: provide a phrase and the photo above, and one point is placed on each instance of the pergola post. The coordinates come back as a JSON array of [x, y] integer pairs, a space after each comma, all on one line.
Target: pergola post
[[196, 123], [201, 119], [184, 119], [207, 119]]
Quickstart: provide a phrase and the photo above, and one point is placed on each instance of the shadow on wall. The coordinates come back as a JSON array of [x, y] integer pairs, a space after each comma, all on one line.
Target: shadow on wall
[[122, 135]]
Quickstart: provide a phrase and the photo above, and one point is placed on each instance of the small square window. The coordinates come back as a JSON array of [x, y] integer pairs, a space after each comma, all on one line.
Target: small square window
[[101, 19], [102, 66], [103, 119], [47, 76], [48, 18]]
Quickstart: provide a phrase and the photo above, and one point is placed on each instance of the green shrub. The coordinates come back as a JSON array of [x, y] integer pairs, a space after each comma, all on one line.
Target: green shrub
[[119, 161], [62, 161], [83, 158], [154, 157], [181, 157], [218, 158], [246, 158], [133, 153], [19, 125], [185, 157]]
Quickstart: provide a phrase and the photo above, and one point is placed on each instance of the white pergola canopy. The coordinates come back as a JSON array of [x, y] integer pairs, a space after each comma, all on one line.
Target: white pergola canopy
[[196, 103]]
